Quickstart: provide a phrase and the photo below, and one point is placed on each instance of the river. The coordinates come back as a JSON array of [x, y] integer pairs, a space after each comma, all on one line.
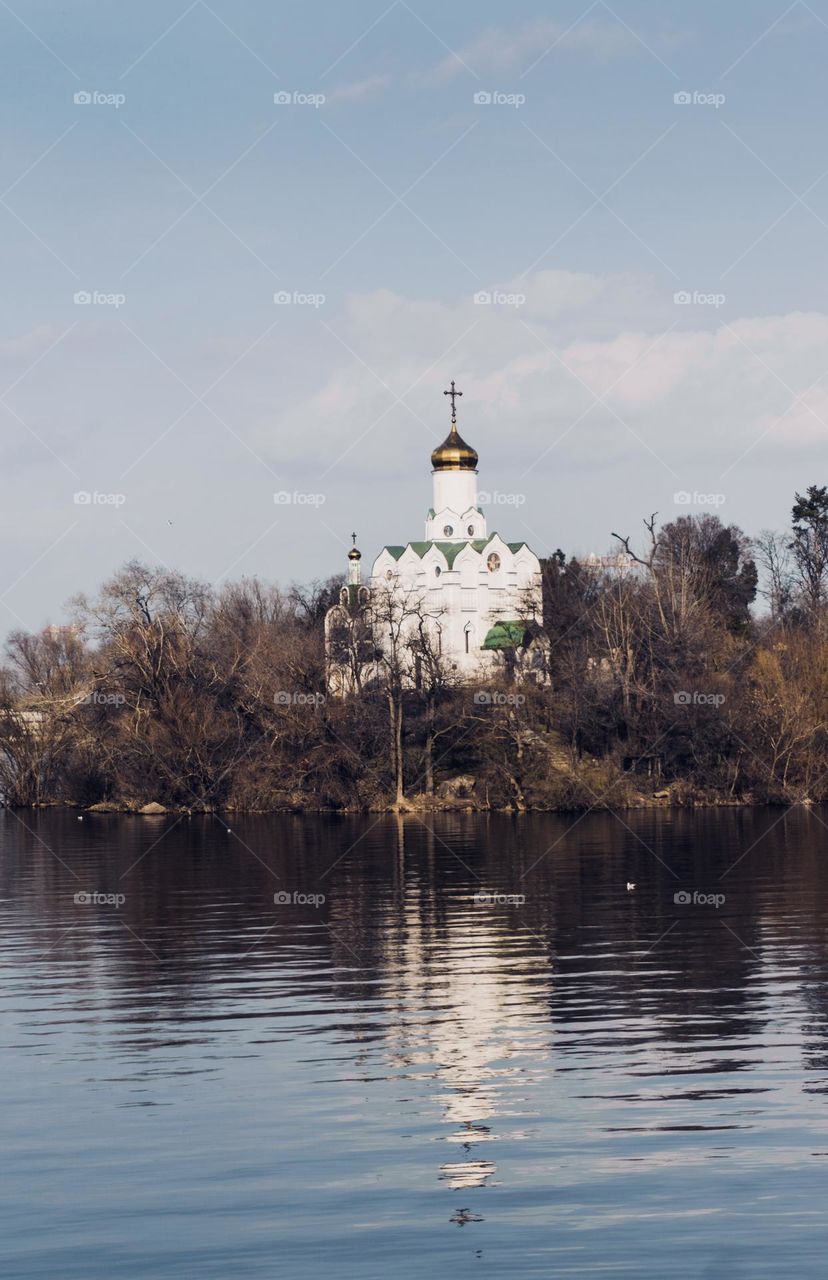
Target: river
[[457, 1045]]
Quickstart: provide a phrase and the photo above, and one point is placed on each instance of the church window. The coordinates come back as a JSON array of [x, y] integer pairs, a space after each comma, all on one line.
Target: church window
[[467, 634], [389, 573], [493, 562], [437, 570], [470, 531], [448, 530]]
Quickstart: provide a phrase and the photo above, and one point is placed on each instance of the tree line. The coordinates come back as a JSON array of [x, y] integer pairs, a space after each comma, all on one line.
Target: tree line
[[696, 672]]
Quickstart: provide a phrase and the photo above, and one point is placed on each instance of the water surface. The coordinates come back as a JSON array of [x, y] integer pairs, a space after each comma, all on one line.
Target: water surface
[[401, 1072]]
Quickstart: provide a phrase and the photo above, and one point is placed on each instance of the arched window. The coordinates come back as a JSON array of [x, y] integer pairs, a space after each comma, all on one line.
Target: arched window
[[467, 633]]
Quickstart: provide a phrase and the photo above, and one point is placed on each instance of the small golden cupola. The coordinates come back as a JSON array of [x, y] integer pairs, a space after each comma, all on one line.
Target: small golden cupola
[[454, 454]]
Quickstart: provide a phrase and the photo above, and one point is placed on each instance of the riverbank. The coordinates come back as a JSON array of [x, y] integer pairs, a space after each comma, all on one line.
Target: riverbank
[[678, 797]]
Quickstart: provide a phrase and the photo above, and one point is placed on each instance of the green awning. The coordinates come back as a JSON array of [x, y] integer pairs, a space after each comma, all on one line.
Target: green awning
[[506, 635]]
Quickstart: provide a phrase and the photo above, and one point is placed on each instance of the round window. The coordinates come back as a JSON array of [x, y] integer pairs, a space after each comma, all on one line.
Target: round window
[[470, 531], [389, 573], [493, 562], [448, 530], [437, 570]]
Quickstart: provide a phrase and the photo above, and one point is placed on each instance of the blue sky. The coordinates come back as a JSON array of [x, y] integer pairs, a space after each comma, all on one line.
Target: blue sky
[[582, 196]]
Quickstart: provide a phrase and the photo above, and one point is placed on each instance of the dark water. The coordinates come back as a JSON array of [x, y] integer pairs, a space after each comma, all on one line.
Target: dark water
[[403, 1080]]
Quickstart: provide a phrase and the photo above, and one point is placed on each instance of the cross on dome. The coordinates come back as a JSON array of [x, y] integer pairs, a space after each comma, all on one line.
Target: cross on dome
[[454, 454], [453, 395]]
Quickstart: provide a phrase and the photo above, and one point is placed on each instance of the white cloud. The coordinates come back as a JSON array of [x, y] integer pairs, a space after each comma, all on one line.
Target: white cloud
[[697, 395], [359, 90], [499, 50]]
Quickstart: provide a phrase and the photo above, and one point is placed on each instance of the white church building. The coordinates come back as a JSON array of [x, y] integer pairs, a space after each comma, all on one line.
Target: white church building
[[475, 597]]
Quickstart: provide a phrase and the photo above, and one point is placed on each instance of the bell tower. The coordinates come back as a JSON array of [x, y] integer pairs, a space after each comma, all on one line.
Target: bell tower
[[454, 516]]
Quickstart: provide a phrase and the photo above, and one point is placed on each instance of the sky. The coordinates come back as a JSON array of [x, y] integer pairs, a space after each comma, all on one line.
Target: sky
[[245, 248]]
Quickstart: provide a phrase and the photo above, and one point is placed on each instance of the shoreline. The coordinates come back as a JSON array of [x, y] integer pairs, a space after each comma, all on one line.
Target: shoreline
[[417, 805]]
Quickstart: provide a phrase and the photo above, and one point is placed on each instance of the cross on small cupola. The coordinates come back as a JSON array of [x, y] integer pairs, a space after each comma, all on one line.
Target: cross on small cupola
[[354, 557], [453, 395]]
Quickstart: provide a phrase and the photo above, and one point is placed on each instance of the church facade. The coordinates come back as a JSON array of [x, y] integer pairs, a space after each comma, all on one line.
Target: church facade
[[463, 596]]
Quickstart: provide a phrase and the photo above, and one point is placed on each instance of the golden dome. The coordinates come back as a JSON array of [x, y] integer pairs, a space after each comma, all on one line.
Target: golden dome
[[353, 554], [454, 454]]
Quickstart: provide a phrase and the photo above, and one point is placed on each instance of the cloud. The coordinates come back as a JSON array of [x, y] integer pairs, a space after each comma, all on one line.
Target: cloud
[[359, 90], [27, 346], [499, 50], [585, 371]]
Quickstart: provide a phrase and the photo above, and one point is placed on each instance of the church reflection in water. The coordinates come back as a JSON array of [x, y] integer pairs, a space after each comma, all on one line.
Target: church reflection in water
[[599, 1029], [470, 991]]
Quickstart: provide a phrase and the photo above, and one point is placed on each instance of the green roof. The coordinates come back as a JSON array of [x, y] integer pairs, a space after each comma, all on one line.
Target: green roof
[[506, 635], [450, 550]]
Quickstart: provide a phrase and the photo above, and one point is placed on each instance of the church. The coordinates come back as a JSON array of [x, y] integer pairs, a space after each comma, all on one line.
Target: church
[[462, 598]]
